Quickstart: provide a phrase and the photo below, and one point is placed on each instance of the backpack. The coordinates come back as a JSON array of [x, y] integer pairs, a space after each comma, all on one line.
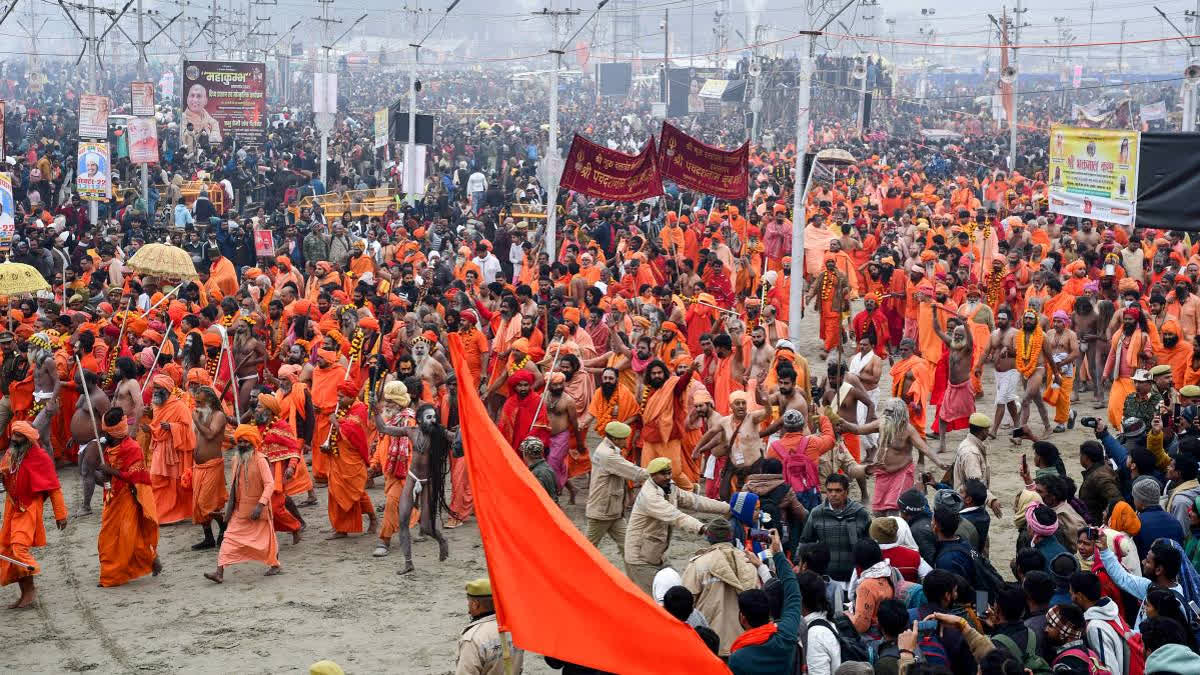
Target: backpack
[[770, 505], [850, 643], [986, 577], [1094, 665], [1135, 650], [1030, 659], [932, 651], [800, 472]]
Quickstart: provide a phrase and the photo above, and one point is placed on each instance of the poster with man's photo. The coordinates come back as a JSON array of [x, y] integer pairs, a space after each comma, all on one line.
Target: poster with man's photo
[[93, 116], [224, 99], [92, 172], [8, 226]]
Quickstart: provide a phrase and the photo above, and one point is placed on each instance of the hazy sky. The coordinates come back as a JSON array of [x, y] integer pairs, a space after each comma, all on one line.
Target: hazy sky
[[509, 28]]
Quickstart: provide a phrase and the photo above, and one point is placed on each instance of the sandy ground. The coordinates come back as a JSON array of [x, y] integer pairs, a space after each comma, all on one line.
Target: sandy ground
[[334, 600]]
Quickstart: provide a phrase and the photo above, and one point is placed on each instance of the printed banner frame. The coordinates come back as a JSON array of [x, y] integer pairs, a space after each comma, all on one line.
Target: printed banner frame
[[93, 116], [141, 99], [599, 172], [702, 167], [8, 225], [143, 140], [93, 186], [1094, 173], [226, 98]]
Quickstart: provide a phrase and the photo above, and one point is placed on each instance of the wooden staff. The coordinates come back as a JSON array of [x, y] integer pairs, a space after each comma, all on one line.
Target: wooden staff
[[124, 325], [95, 428], [546, 388], [719, 309], [168, 294]]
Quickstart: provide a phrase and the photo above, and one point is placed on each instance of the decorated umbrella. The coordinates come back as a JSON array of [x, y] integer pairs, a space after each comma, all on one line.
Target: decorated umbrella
[[163, 260], [835, 156], [18, 278]]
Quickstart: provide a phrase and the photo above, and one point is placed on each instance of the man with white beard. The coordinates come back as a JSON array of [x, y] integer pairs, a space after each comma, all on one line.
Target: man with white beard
[[429, 369]]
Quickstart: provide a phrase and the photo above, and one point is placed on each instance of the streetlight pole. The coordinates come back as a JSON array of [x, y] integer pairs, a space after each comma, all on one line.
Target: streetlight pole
[[93, 206], [796, 281], [551, 158], [410, 148]]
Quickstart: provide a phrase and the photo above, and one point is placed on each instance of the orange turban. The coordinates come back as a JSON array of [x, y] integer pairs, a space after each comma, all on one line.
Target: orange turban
[[153, 336], [118, 430], [25, 429], [270, 402], [520, 345], [1127, 284], [284, 262], [348, 388], [571, 314], [197, 376], [175, 311], [290, 372], [249, 433], [164, 381], [328, 354], [1170, 326], [369, 323], [557, 378], [211, 339]]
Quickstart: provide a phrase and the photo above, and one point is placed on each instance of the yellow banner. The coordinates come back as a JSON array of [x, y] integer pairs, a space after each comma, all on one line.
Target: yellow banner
[[1093, 173]]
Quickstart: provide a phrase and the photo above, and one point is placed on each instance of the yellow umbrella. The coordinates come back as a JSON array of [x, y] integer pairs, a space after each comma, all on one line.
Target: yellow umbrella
[[18, 278], [163, 260]]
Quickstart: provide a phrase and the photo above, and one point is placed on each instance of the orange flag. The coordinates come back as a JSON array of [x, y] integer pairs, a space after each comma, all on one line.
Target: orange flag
[[554, 592]]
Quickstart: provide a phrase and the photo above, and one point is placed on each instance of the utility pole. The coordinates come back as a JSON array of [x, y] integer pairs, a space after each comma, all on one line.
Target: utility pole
[[756, 103], [324, 119], [803, 110], [1087, 58], [552, 158], [892, 37], [93, 205], [1121, 51], [1016, 101], [666, 55]]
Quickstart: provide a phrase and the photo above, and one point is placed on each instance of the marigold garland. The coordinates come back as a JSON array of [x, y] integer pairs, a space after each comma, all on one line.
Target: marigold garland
[[1029, 350]]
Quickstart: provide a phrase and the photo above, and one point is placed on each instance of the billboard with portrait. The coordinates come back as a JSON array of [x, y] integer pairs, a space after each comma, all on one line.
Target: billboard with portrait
[[93, 116], [143, 140], [141, 99], [8, 226], [92, 172], [226, 99]]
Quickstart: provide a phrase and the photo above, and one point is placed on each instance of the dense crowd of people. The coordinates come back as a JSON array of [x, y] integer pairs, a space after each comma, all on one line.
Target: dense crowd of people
[[647, 361]]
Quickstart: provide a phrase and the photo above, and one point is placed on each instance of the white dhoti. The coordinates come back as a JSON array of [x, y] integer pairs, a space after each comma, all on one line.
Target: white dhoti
[[869, 441], [1008, 387]]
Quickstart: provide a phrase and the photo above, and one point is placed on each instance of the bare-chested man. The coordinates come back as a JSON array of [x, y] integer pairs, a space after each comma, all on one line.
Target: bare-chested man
[[762, 353], [1064, 352], [85, 428], [958, 403], [423, 487], [844, 393], [429, 369], [249, 354], [128, 394], [1036, 361], [736, 435], [208, 468], [866, 365], [785, 397], [45, 371], [564, 421], [1002, 353], [894, 471], [1092, 345]]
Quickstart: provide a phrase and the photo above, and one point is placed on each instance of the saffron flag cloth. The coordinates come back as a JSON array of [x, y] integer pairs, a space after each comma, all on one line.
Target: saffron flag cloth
[[703, 167], [599, 172], [547, 586]]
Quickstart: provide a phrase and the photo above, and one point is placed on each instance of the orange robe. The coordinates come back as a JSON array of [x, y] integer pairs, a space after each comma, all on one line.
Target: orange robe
[[918, 391], [663, 418], [222, 280], [248, 540], [348, 461], [171, 459], [22, 527], [128, 541], [325, 382]]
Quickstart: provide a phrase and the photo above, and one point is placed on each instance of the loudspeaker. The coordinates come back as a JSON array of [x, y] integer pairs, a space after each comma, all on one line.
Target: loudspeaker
[[398, 126]]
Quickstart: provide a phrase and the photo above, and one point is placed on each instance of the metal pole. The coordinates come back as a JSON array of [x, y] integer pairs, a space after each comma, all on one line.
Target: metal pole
[[862, 97], [93, 206], [1016, 111], [410, 148], [212, 41], [1121, 51], [796, 299], [141, 71], [552, 175]]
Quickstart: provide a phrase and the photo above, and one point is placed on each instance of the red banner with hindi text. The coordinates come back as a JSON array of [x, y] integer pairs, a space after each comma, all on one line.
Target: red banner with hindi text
[[599, 172], [702, 167]]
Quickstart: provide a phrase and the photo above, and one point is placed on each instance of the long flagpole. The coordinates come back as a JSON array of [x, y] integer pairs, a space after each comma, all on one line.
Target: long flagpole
[[158, 351], [545, 389]]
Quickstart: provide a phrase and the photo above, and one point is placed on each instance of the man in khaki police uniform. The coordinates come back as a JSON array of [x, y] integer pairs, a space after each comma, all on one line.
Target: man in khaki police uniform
[[479, 650]]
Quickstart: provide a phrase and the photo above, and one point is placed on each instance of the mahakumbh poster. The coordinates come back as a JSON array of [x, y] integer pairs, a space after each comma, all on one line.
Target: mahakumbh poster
[[92, 172], [143, 140], [226, 99], [1093, 173]]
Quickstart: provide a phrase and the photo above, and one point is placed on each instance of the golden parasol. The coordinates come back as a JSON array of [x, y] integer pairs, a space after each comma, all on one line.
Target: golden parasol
[[163, 260], [835, 156], [18, 278]]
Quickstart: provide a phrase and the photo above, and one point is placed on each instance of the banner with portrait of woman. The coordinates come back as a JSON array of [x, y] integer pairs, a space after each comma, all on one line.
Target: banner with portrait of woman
[[226, 99]]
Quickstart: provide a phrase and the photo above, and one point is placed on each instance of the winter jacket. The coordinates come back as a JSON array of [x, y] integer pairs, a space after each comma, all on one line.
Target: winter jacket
[[1173, 658], [838, 530], [716, 576], [1099, 487], [655, 513], [1156, 524], [1103, 638]]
